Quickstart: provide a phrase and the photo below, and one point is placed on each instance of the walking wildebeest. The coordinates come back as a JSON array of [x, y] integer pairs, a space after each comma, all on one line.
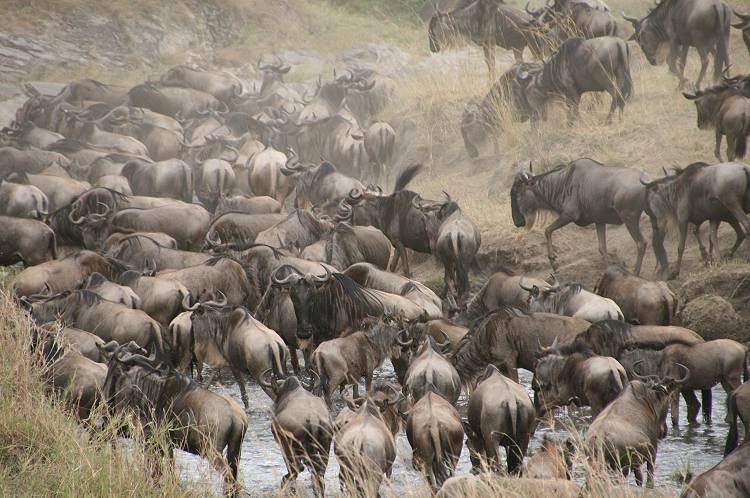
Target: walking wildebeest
[[499, 413], [583, 192], [703, 24], [199, 421], [627, 432], [744, 26], [694, 194], [579, 66], [643, 302], [739, 406]]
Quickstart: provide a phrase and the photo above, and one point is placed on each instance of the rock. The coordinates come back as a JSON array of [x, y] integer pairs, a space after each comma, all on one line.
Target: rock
[[713, 317], [730, 281]]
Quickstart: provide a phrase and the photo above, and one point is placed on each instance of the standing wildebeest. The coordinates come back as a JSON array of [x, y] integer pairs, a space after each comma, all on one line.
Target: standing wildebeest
[[162, 299], [321, 185], [300, 229], [249, 205], [110, 321], [345, 360], [23, 201], [725, 108], [176, 102], [710, 362], [198, 421], [729, 477], [238, 229], [499, 413], [28, 241], [436, 436], [229, 337], [63, 274], [739, 406], [744, 26], [694, 194], [579, 66], [395, 215], [429, 369], [502, 289], [99, 285], [509, 339], [564, 20], [582, 192], [303, 429], [222, 85], [455, 241], [485, 23], [703, 24], [186, 223], [365, 449], [643, 302], [627, 432], [571, 299], [214, 178], [171, 178], [584, 379], [144, 253]]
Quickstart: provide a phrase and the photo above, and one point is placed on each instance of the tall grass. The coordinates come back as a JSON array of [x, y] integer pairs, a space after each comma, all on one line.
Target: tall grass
[[44, 451]]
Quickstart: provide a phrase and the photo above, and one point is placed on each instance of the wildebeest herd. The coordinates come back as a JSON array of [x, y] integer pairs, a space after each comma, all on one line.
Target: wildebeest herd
[[198, 219]]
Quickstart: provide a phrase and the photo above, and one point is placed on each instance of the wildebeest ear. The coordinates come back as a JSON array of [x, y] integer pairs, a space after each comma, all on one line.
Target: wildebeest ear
[[30, 91], [689, 96]]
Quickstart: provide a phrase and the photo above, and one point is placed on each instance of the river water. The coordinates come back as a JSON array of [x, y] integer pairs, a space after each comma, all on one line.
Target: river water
[[262, 467]]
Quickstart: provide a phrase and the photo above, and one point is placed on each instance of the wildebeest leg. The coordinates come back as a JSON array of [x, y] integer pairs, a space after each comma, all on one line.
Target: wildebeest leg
[[731, 144], [674, 403], [703, 53], [738, 241], [243, 389], [693, 405], [717, 149], [394, 259], [681, 59], [650, 459], [295, 360], [489, 58], [638, 473], [683, 226], [706, 398], [634, 229], [214, 377], [558, 223], [739, 214], [705, 255], [601, 235]]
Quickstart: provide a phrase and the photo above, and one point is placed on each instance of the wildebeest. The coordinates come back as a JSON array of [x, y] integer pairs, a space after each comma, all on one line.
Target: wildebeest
[[110, 321], [454, 240], [571, 299], [99, 285], [173, 101], [89, 345], [347, 245], [266, 174], [318, 185], [327, 305], [238, 229], [29, 160], [563, 20], [550, 461], [163, 299], [436, 436], [186, 223], [345, 360], [365, 449], [643, 302], [28, 241], [725, 109], [248, 205], [368, 275], [627, 432], [499, 413], [144, 253], [744, 26], [502, 289], [172, 178], [199, 421], [578, 378], [703, 24], [214, 178], [509, 339], [729, 477], [582, 192], [63, 274], [485, 23], [303, 429], [59, 191], [579, 66], [231, 337], [719, 361], [463, 486], [429, 369], [299, 229], [222, 85], [738, 406], [395, 215], [23, 201], [439, 329], [694, 194]]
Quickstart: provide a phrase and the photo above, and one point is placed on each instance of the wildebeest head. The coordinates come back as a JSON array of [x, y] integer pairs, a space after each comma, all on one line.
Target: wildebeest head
[[287, 385], [546, 382], [707, 102], [440, 30], [523, 200], [649, 34], [122, 389]]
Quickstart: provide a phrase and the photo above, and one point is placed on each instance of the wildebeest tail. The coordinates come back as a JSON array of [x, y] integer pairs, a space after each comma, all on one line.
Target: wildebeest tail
[[277, 364], [740, 143], [626, 84], [438, 468], [462, 276], [746, 200], [52, 244], [616, 385], [721, 59], [187, 184], [318, 363], [406, 176], [156, 344], [732, 435]]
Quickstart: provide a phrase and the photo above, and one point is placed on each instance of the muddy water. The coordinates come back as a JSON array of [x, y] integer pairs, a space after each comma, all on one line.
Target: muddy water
[[262, 466]]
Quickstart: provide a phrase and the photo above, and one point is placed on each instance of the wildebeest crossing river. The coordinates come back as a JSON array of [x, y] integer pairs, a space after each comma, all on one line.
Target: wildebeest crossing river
[[693, 448]]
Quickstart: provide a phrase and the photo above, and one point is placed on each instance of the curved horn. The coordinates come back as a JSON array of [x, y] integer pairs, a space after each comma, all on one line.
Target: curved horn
[[186, 303], [355, 194], [446, 341], [220, 303], [644, 181], [78, 221], [282, 282], [643, 378], [232, 149], [521, 284], [404, 342], [684, 377], [213, 242], [632, 20], [395, 397], [324, 278]]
